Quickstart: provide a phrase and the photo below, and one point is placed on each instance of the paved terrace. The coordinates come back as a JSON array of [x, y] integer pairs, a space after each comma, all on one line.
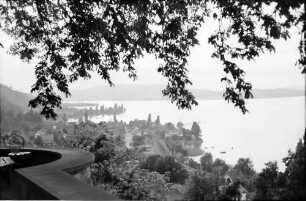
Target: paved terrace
[[52, 175]]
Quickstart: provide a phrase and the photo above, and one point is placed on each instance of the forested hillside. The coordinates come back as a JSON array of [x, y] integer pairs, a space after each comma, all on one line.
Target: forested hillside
[[12, 99]]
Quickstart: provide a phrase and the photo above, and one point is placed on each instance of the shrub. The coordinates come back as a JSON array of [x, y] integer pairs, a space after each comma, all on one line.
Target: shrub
[[162, 165]]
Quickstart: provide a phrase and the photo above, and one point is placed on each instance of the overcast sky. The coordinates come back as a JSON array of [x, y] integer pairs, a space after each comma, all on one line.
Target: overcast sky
[[275, 70]]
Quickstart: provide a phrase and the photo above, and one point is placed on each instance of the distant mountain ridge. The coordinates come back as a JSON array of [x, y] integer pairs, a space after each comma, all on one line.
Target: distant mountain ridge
[[278, 93], [135, 93], [154, 92]]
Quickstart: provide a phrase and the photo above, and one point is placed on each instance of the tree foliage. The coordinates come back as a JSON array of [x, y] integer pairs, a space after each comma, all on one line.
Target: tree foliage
[[295, 172], [65, 119], [114, 168], [157, 121], [245, 173], [38, 141], [138, 140], [86, 116], [193, 164], [169, 164], [245, 166], [169, 126], [206, 162], [12, 118], [71, 39], [149, 119], [179, 126], [196, 130], [290, 185], [232, 192], [203, 186], [267, 183], [133, 183], [219, 167], [86, 135]]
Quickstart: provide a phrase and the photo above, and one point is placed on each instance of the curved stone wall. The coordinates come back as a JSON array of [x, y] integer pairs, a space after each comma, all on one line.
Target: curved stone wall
[[58, 174]]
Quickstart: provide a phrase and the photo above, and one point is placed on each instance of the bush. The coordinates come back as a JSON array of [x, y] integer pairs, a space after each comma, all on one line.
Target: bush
[[130, 182], [162, 165], [203, 186], [194, 151], [138, 140], [38, 141], [193, 164]]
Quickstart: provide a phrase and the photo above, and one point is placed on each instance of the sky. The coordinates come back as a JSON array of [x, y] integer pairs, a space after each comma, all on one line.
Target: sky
[[270, 70]]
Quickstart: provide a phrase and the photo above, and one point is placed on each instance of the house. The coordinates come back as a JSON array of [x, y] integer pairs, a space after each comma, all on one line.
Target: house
[[47, 137], [229, 178], [243, 193], [136, 131], [40, 133], [171, 133]]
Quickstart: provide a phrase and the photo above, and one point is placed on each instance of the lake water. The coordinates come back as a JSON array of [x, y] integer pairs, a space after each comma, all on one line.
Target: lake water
[[266, 133]]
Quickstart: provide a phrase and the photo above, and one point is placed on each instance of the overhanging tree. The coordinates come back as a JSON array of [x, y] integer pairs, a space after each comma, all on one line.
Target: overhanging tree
[[71, 39], [196, 130]]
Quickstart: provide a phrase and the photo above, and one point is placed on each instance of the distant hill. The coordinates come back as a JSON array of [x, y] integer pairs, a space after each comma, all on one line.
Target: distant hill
[[12, 99], [136, 92], [120, 92], [133, 92], [154, 92], [278, 93]]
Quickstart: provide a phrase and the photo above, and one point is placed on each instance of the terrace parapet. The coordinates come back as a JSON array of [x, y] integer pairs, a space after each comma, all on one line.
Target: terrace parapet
[[56, 175]]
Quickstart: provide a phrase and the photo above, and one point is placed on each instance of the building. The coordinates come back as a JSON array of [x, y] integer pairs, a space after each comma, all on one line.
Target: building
[[230, 177], [243, 193], [47, 137], [136, 131]]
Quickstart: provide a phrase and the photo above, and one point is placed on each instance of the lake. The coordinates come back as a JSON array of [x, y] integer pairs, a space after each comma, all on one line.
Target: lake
[[266, 133]]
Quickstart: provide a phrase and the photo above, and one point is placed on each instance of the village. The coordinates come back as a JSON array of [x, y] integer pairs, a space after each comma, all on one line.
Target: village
[[153, 139]]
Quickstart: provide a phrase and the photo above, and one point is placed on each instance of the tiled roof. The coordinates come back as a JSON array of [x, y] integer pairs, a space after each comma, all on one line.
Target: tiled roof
[[241, 189], [234, 174]]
